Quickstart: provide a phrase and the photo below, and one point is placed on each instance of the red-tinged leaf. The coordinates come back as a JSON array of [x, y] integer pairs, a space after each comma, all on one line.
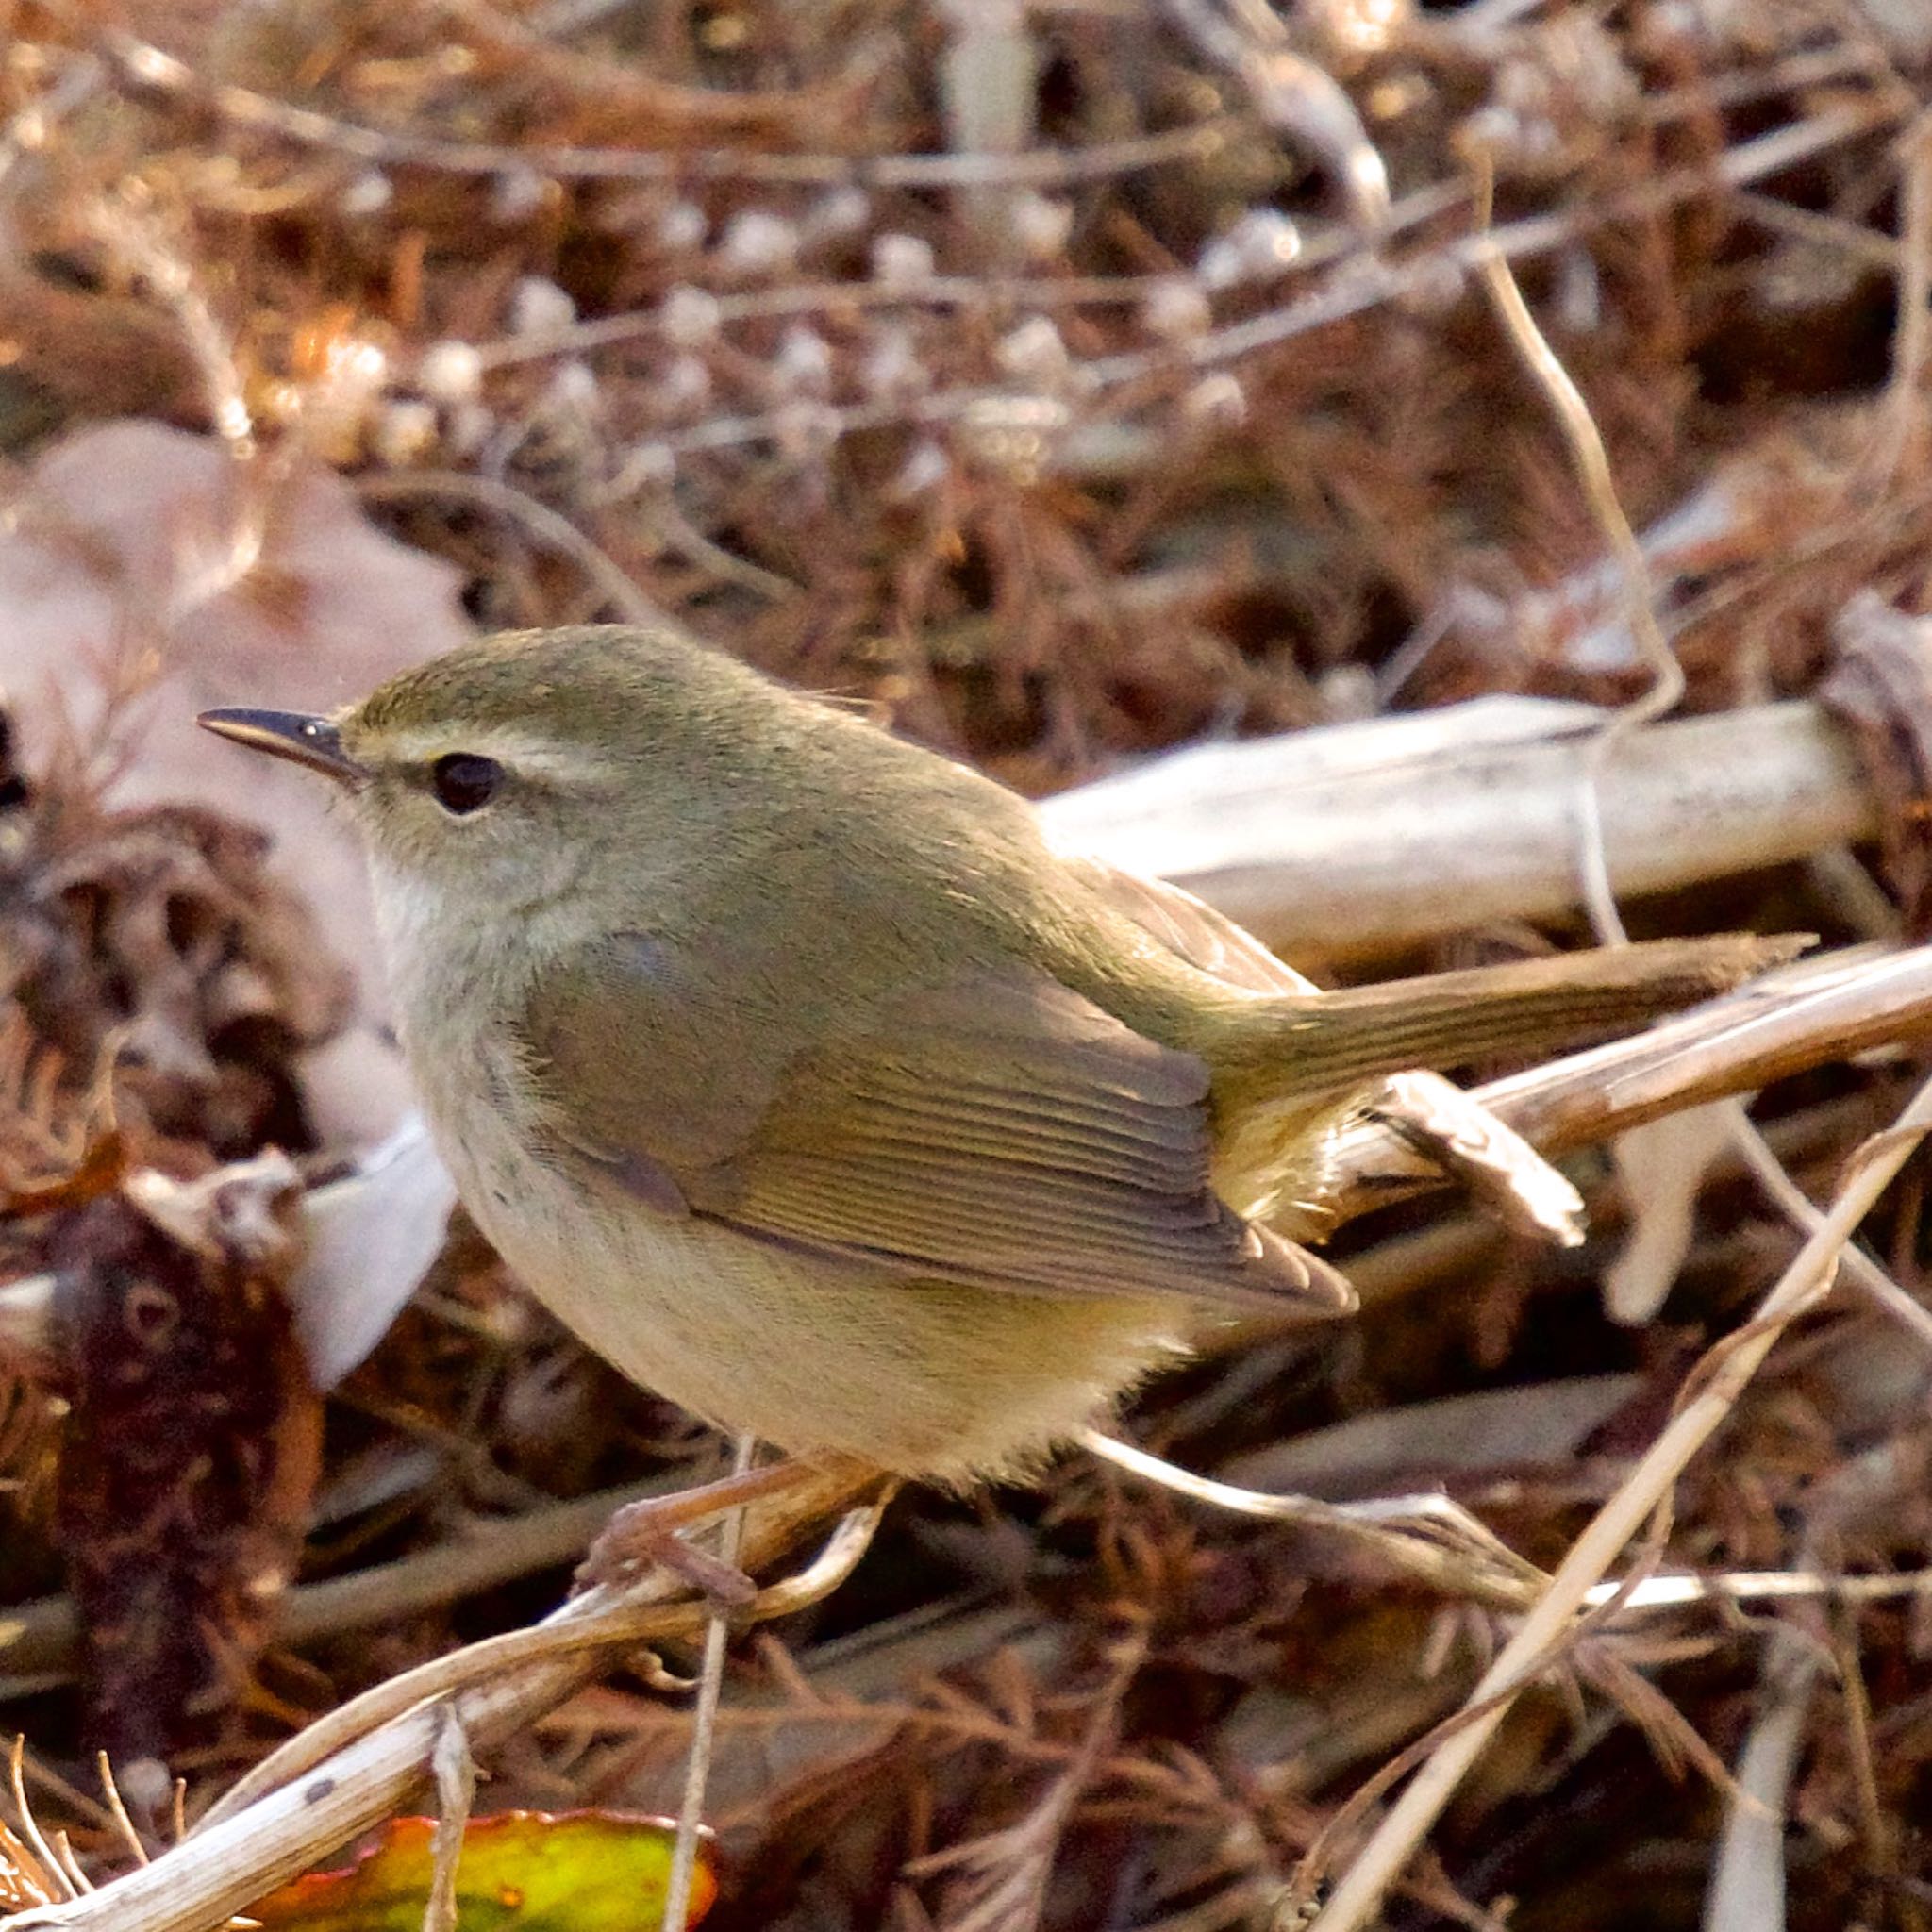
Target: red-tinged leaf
[[521, 1872]]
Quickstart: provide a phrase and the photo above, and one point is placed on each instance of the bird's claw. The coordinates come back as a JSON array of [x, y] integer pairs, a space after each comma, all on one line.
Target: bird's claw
[[639, 1535]]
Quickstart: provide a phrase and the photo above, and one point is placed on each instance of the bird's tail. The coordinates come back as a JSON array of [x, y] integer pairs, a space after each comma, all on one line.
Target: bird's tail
[[1324, 1042]]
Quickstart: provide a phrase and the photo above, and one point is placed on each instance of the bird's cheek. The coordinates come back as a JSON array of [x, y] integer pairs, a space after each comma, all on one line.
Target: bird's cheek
[[410, 910]]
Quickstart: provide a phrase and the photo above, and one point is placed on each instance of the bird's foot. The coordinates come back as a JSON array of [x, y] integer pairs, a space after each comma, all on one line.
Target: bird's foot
[[626, 1547], [650, 1532]]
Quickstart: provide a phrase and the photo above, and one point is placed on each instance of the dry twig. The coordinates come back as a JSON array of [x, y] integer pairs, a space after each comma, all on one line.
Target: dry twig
[[1707, 1404]]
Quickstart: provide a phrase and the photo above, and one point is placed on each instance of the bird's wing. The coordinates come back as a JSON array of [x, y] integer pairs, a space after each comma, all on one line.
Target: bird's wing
[[1207, 939], [1437, 1118], [1000, 1131]]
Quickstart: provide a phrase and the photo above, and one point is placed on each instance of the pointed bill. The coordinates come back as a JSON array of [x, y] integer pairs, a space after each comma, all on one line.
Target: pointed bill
[[300, 737]]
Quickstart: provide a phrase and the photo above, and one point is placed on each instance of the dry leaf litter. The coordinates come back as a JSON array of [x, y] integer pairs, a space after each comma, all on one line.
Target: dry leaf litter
[[1069, 383]]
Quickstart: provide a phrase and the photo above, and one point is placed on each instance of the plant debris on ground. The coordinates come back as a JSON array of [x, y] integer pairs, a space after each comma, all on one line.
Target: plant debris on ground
[[1068, 382]]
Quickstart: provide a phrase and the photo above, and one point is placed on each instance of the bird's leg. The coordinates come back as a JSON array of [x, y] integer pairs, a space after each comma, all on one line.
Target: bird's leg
[[647, 1531]]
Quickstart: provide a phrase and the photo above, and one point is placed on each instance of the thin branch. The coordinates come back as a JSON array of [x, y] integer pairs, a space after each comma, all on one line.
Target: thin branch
[[992, 293], [548, 526], [703, 1727], [1431, 1537], [1911, 346], [1667, 676], [454, 1772], [1826, 231], [1592, 463], [135, 236], [1519, 240], [143, 68]]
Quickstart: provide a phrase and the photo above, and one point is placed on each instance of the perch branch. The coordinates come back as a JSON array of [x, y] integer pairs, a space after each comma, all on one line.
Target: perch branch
[[223, 1867]]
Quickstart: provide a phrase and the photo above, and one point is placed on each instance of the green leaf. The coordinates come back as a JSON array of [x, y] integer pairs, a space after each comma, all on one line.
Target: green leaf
[[520, 1871]]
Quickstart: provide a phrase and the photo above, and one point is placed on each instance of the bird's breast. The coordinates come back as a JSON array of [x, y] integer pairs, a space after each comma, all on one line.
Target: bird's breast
[[808, 1351]]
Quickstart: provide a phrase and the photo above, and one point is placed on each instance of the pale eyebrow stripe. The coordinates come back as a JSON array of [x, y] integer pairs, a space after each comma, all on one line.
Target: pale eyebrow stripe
[[520, 750]]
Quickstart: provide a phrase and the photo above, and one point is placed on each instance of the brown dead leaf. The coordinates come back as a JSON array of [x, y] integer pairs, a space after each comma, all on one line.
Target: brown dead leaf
[[158, 936], [145, 575], [193, 1444]]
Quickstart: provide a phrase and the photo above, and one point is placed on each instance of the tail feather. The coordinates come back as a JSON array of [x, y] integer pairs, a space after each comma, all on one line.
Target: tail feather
[[1332, 1041]]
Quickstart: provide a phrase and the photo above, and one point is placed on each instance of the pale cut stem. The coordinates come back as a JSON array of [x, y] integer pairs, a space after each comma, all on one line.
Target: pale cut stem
[[456, 1790], [1352, 842], [1793, 1020]]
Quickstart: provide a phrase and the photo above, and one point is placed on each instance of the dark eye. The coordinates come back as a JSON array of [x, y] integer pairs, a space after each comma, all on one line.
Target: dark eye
[[465, 782]]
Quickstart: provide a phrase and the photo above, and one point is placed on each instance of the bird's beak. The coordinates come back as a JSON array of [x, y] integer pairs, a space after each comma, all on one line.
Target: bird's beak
[[292, 735]]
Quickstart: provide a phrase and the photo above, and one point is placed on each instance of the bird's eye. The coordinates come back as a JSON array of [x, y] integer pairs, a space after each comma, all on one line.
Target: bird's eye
[[464, 782]]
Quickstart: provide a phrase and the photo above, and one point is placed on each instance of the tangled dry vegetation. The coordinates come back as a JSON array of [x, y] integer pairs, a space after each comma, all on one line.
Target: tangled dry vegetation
[[1072, 381]]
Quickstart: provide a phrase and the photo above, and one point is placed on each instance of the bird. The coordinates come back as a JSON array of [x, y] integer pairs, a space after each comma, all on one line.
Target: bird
[[786, 1062]]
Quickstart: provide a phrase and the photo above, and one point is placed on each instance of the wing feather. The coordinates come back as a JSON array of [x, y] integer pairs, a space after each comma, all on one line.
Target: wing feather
[[998, 1131]]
